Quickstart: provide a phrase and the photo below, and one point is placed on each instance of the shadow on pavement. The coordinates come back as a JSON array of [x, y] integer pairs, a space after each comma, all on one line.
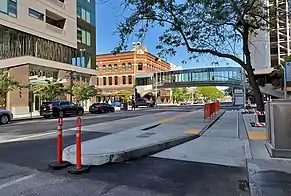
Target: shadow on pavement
[[272, 183], [171, 177]]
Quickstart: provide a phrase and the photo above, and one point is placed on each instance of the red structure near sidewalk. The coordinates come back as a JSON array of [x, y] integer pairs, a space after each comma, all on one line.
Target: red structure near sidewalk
[[211, 109]]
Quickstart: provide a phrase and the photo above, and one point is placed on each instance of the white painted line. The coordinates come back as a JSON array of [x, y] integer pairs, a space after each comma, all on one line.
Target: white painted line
[[33, 136], [237, 124], [8, 184]]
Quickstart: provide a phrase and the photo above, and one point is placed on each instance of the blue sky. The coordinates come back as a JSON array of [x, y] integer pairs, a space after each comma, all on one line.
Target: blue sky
[[107, 17]]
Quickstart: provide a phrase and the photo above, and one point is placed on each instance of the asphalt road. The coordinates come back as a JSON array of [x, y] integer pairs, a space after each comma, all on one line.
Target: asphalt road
[[24, 167]]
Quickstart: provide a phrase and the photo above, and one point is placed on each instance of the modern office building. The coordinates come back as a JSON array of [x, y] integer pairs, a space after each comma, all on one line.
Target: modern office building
[[86, 33], [39, 42], [117, 72], [269, 48]]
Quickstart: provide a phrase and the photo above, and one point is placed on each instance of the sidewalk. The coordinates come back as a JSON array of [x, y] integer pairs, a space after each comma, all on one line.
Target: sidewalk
[[218, 145], [140, 141], [267, 176]]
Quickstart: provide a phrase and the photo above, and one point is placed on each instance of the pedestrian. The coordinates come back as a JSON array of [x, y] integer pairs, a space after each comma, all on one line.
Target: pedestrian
[[132, 104]]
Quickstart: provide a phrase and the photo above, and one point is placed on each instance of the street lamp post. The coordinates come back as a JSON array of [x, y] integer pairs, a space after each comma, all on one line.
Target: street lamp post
[[134, 66], [71, 75]]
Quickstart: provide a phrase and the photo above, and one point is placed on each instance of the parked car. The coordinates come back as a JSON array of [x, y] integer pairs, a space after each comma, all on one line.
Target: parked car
[[101, 108], [60, 108], [144, 102], [116, 104], [5, 116]]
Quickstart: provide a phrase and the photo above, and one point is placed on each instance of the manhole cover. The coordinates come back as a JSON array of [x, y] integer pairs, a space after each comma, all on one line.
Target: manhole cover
[[146, 134]]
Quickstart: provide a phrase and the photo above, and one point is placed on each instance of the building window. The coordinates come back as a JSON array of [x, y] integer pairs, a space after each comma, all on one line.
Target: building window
[[12, 8], [123, 79], [129, 79], [115, 80], [84, 36], [9, 7], [62, 1], [104, 68], [129, 67], [55, 19], [115, 67], [97, 81], [83, 14], [79, 35], [110, 80], [104, 81], [123, 67], [79, 11], [139, 66], [35, 14], [110, 68]]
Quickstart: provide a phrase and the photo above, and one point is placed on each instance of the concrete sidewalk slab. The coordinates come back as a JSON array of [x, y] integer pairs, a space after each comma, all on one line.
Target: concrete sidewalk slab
[[137, 142], [254, 133], [219, 145]]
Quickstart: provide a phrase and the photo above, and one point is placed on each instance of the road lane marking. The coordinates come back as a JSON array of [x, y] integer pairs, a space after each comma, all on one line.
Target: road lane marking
[[192, 131], [33, 136], [10, 183], [257, 135], [170, 119]]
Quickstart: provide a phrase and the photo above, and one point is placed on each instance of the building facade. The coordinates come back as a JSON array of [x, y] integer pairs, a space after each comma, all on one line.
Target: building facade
[[269, 48], [117, 72], [86, 33], [39, 42]]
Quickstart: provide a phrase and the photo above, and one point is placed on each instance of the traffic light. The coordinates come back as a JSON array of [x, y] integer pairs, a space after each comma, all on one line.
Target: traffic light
[[213, 78]]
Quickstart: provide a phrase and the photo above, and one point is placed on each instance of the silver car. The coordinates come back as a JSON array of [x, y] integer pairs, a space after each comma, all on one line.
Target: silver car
[[5, 116]]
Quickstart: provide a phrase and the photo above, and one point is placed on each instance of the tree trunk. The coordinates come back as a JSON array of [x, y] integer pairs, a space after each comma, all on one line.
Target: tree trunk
[[256, 89]]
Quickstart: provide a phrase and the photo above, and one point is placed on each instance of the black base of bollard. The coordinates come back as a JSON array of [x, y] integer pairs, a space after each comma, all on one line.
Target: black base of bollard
[[83, 169], [56, 166], [261, 118]]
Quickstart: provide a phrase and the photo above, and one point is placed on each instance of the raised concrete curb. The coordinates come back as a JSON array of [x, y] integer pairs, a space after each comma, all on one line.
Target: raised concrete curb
[[134, 153], [247, 146]]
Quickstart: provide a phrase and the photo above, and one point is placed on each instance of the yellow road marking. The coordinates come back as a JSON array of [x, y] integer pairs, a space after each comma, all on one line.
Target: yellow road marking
[[170, 119], [192, 132], [258, 135]]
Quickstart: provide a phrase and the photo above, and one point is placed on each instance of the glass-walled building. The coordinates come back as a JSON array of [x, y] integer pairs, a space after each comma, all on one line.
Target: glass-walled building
[[38, 42], [86, 33]]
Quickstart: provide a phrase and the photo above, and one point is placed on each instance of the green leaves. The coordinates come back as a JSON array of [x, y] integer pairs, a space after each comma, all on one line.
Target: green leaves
[[7, 84], [50, 90], [126, 96], [83, 91], [210, 92]]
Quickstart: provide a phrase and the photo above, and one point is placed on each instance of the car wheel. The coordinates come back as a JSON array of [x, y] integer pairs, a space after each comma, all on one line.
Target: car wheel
[[113, 110], [47, 117], [61, 114], [4, 119], [148, 105], [80, 113]]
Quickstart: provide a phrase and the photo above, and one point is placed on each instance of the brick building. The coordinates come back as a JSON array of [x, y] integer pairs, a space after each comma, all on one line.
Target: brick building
[[116, 72]]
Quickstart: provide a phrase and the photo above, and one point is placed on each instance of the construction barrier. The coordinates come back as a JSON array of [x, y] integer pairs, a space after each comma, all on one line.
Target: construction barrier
[[59, 164], [260, 119], [210, 109], [79, 168]]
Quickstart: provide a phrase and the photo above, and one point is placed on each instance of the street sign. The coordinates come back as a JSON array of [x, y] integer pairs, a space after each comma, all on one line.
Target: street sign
[[288, 71]]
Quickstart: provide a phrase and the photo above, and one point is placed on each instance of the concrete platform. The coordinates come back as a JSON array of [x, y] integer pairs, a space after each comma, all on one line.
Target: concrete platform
[[142, 140], [219, 145]]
